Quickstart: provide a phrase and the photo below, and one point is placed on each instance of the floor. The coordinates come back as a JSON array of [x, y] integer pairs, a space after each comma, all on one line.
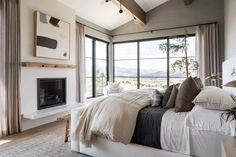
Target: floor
[[46, 141]]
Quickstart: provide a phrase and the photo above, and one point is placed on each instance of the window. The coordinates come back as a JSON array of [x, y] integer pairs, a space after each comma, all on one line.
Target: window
[[154, 63], [96, 52], [126, 64]]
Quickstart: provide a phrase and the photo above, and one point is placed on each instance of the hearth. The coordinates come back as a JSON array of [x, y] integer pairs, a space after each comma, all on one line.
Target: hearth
[[51, 92]]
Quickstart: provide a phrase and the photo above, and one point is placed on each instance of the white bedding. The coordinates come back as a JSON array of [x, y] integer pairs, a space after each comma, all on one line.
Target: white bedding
[[112, 117], [174, 133], [209, 120], [176, 128]]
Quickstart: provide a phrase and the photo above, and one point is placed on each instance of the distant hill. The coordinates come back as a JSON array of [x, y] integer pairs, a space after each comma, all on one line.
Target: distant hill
[[146, 73]]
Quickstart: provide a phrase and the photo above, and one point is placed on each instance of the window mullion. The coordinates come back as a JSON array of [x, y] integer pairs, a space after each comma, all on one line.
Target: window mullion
[[94, 68], [138, 65], [168, 62]]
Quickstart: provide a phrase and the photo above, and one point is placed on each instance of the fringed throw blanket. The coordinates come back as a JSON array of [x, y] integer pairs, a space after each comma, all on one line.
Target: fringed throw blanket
[[112, 117]]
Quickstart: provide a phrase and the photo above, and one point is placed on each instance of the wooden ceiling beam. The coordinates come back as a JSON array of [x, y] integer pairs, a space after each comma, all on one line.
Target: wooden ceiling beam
[[187, 2], [131, 7]]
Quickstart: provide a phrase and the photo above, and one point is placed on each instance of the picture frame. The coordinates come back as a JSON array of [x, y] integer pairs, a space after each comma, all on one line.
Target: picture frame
[[52, 37]]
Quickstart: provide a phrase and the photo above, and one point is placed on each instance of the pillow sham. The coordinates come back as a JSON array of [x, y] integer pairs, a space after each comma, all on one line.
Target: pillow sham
[[167, 95], [187, 92], [214, 98], [171, 102], [156, 98]]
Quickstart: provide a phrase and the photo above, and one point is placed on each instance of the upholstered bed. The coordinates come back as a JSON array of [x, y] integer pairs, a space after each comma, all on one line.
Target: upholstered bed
[[199, 132]]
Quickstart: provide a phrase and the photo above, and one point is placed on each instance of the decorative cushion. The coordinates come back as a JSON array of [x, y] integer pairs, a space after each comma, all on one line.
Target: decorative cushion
[[187, 92], [214, 98], [171, 102], [113, 88], [198, 81], [156, 98], [167, 95]]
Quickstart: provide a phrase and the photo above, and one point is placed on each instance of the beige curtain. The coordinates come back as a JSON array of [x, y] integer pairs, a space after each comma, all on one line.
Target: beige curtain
[[80, 59], [207, 48], [10, 118]]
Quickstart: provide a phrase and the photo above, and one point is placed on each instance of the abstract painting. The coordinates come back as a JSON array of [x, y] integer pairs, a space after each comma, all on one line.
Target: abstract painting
[[52, 37]]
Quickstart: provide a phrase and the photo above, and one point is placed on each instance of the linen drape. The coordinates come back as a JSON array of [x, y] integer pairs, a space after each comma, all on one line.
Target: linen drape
[[10, 117], [207, 48], [80, 60]]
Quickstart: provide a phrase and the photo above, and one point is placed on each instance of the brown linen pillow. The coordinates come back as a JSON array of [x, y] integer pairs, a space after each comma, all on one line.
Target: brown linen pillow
[[171, 101], [167, 95], [186, 94], [198, 81]]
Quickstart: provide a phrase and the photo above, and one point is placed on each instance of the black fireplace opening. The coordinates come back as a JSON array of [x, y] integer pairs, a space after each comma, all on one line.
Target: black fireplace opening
[[51, 92]]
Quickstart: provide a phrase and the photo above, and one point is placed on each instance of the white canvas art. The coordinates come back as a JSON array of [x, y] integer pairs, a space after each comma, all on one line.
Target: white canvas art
[[52, 37]]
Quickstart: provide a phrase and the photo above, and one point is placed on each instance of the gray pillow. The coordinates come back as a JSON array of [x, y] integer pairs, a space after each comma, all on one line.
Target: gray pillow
[[156, 98], [171, 102], [167, 95], [187, 92], [198, 82]]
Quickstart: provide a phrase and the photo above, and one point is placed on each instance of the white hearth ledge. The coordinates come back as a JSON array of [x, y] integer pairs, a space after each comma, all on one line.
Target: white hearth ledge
[[51, 111]]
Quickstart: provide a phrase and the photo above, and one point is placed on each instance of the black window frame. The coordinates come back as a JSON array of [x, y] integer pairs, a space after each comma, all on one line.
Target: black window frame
[[94, 39], [138, 54]]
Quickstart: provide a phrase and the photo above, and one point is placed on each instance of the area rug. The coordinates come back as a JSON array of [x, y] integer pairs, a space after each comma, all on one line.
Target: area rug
[[48, 143]]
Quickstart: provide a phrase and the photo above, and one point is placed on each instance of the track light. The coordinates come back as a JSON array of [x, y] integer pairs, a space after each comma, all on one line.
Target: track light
[[120, 11]]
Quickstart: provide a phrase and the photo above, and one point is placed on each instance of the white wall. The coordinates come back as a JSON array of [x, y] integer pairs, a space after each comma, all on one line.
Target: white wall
[[30, 75], [230, 28]]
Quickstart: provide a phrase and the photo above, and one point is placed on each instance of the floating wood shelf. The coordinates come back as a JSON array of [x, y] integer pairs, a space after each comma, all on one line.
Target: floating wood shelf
[[47, 65]]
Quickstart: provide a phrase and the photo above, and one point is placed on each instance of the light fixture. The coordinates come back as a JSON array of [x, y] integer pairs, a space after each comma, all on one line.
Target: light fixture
[[120, 11], [214, 77], [233, 72], [230, 84]]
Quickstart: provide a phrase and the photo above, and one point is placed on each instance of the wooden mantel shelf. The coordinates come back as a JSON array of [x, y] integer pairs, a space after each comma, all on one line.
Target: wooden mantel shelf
[[47, 65]]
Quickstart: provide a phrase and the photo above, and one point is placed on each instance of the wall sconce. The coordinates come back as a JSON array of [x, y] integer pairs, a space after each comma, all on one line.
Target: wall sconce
[[214, 77]]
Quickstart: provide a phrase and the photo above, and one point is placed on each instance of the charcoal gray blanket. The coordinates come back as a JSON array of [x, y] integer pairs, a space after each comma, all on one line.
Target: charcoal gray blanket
[[148, 127]]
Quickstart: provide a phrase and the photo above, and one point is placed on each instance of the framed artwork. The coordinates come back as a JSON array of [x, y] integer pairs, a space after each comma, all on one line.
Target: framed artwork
[[52, 37]]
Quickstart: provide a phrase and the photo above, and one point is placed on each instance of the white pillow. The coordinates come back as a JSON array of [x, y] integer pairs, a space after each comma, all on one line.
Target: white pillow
[[214, 98], [113, 88]]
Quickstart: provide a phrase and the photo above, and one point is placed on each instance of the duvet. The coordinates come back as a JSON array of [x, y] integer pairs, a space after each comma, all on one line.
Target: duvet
[[112, 117]]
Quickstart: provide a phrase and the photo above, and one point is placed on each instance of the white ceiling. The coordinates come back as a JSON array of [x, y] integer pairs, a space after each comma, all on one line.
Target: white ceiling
[[105, 14]]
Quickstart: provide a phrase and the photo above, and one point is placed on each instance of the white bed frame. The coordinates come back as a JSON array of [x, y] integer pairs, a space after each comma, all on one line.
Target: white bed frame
[[105, 148], [209, 145], [228, 67]]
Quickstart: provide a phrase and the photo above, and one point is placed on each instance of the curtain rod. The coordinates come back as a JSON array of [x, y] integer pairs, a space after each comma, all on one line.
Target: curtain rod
[[94, 29], [162, 29]]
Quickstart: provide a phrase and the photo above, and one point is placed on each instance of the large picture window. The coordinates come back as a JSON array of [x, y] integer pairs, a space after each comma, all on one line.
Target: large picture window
[[154, 63], [96, 66]]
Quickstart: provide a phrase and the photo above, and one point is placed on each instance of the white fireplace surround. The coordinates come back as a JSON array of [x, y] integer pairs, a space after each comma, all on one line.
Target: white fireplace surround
[[29, 102]]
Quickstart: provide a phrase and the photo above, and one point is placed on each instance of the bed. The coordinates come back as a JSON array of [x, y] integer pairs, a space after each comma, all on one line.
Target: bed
[[181, 141]]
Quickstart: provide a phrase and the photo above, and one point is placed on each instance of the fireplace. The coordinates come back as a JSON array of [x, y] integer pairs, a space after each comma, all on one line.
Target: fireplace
[[51, 92]]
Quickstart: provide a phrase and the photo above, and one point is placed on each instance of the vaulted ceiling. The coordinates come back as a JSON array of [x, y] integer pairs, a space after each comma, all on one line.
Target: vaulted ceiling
[[105, 14]]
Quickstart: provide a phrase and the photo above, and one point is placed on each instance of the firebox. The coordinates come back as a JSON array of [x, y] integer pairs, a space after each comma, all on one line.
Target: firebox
[[51, 92]]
